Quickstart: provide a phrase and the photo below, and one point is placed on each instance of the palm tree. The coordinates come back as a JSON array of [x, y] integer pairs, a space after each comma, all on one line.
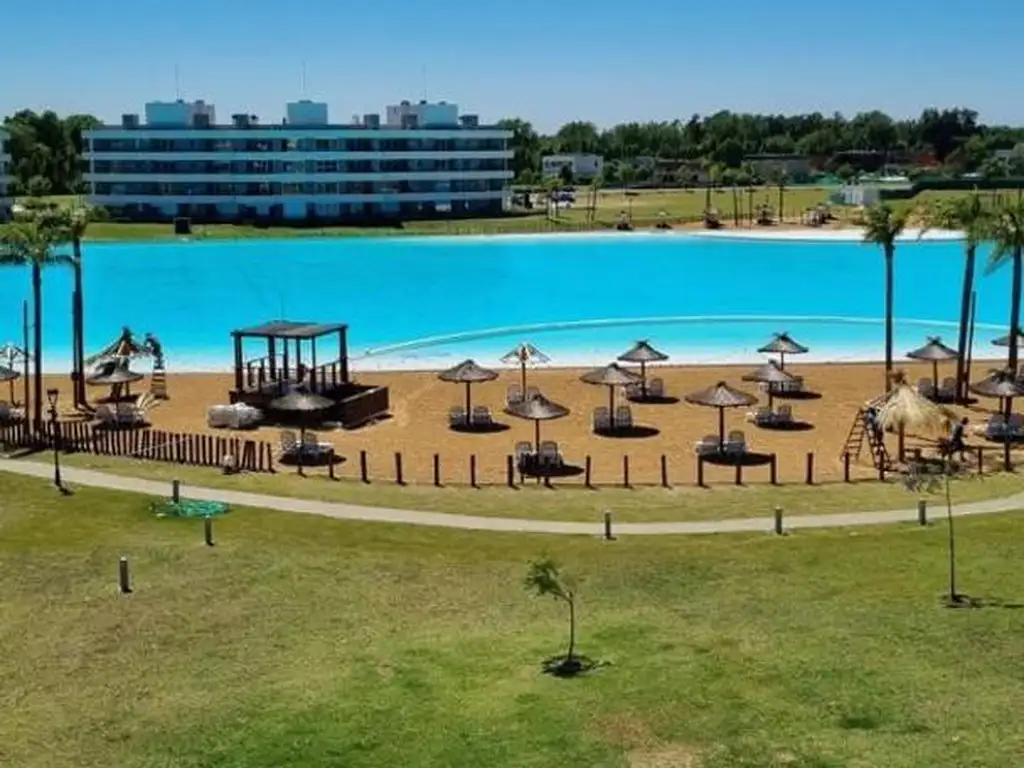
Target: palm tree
[[970, 216], [74, 223], [32, 241], [1007, 232], [882, 228]]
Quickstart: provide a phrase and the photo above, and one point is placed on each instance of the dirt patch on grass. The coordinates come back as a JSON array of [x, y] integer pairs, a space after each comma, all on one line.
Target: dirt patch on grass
[[665, 756]]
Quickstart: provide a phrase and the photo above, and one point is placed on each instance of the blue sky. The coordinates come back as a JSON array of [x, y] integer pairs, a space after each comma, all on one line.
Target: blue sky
[[547, 61]]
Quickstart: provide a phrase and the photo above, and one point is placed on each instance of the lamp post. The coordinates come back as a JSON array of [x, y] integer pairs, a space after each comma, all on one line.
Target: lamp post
[[52, 395]]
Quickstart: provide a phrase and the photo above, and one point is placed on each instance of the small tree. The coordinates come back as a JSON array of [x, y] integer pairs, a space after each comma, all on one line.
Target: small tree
[[566, 175], [545, 579]]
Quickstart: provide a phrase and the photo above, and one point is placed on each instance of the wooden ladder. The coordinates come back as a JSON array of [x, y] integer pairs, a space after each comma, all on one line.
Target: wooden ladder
[[158, 384], [855, 438]]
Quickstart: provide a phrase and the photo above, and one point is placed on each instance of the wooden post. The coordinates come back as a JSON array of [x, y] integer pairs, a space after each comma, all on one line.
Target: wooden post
[[208, 530], [810, 467], [881, 469], [739, 473], [176, 491], [330, 465], [700, 471], [846, 467], [778, 521], [398, 468], [608, 526], [510, 471], [1007, 464], [123, 579], [363, 472], [981, 460], [625, 470], [922, 512], [472, 470], [437, 470], [586, 472], [773, 469], [664, 471]]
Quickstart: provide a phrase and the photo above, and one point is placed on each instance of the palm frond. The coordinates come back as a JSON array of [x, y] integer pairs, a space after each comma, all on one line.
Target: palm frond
[[1006, 231]]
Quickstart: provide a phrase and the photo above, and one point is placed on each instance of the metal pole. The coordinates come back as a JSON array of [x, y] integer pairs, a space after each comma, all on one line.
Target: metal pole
[[56, 448]]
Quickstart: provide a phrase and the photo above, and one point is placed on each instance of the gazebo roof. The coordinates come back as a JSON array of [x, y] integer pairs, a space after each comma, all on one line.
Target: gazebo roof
[[288, 329]]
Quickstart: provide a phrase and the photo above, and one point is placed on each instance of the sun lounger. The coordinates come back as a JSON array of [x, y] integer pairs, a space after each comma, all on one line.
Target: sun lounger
[[289, 443], [623, 417], [763, 415], [784, 415], [1015, 426], [926, 388], [736, 443], [312, 446], [548, 454], [524, 455], [995, 429], [948, 389], [514, 394], [530, 393], [457, 416], [481, 416], [707, 446], [602, 419], [656, 388]]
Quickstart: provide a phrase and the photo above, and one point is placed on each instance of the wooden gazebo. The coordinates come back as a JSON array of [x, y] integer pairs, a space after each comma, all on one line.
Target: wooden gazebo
[[291, 363]]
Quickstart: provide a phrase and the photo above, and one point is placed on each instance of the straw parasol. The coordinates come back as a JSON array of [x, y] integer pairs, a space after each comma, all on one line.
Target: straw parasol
[[934, 351], [905, 409], [612, 375], [9, 375], [721, 396], [643, 353], [1001, 384], [771, 374], [1004, 341], [782, 344], [114, 375], [538, 408], [469, 373], [303, 404], [123, 347], [524, 354]]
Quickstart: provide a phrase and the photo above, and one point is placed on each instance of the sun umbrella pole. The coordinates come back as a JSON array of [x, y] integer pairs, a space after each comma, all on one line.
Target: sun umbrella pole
[[468, 399], [611, 403], [522, 373], [782, 361], [935, 376], [721, 426], [643, 378], [536, 435]]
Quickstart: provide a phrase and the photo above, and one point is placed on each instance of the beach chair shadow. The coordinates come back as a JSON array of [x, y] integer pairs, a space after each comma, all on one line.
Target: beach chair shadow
[[787, 426], [636, 431], [797, 394], [745, 459]]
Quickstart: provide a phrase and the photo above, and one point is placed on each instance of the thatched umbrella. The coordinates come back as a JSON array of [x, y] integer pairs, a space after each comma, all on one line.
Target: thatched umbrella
[[643, 353], [9, 375], [934, 351], [304, 405], [1004, 341], [782, 344], [469, 373], [124, 346], [771, 374], [611, 376], [538, 408], [524, 354], [904, 409], [721, 396], [114, 375], [1001, 384]]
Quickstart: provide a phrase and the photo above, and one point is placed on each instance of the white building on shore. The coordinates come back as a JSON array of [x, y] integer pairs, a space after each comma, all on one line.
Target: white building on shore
[[582, 167], [6, 179], [424, 160]]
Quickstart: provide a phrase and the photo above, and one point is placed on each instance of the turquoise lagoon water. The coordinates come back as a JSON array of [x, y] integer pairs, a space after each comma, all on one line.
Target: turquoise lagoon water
[[427, 302]]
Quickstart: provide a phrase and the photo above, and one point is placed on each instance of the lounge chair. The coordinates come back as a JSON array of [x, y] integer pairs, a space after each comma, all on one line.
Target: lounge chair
[[602, 419], [129, 415], [926, 388], [633, 391], [524, 455], [530, 393], [311, 445], [784, 415], [548, 454], [514, 394], [708, 445], [735, 444], [9, 413], [623, 417], [481, 416], [995, 428], [948, 389], [761, 416], [1015, 426], [289, 443], [457, 416], [796, 385], [656, 388]]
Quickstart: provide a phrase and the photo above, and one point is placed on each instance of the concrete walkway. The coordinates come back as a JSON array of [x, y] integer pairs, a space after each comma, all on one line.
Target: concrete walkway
[[162, 489]]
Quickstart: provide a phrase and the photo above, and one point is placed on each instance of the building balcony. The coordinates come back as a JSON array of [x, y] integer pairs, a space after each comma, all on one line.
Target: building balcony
[[295, 156], [347, 199], [293, 178]]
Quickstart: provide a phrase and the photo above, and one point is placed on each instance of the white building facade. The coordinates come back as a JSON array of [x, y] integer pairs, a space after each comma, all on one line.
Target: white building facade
[[583, 167], [423, 160], [6, 177]]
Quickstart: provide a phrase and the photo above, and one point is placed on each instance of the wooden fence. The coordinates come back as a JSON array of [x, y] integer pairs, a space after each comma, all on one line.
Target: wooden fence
[[146, 444]]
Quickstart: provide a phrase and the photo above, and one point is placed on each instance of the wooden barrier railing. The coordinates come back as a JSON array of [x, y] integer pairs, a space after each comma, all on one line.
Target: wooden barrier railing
[[197, 450]]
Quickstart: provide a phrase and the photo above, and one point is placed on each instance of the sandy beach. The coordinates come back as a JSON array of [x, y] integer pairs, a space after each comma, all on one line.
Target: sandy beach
[[419, 407]]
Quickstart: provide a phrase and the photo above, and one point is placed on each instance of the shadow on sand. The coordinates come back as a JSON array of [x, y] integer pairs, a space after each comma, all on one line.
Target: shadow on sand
[[635, 432], [748, 459]]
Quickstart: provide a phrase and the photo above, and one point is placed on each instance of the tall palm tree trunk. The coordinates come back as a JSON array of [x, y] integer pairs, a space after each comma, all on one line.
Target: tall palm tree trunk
[[888, 315], [965, 320], [1015, 308], [37, 343]]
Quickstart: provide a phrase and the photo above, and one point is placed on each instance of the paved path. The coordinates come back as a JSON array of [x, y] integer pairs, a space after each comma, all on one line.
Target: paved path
[[162, 489]]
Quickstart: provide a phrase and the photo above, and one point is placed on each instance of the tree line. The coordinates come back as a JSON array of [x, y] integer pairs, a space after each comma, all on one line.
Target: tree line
[[46, 152], [952, 138]]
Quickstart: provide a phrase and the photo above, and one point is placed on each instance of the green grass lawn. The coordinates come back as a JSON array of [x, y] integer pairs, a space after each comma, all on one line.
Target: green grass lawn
[[571, 503], [299, 641]]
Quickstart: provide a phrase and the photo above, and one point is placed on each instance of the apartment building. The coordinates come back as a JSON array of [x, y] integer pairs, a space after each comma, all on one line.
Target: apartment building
[[424, 159], [6, 177]]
